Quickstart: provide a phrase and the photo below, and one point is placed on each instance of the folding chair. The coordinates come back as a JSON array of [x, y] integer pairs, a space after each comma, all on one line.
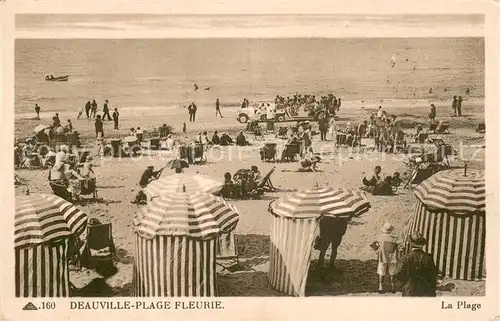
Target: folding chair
[[268, 152], [266, 183], [290, 152], [443, 129], [100, 245], [227, 251]]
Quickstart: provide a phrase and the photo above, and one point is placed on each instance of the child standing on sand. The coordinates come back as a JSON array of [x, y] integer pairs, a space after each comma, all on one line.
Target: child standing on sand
[[387, 250], [184, 128]]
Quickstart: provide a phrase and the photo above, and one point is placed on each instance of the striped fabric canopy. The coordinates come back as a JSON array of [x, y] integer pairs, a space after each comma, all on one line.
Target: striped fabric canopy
[[451, 190], [176, 182], [197, 215], [337, 202], [41, 218]]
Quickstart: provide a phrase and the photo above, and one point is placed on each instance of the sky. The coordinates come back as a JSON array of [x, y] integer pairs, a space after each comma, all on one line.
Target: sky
[[266, 25]]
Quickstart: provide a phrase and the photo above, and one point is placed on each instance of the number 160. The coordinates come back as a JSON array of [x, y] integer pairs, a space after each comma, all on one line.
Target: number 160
[[48, 305]]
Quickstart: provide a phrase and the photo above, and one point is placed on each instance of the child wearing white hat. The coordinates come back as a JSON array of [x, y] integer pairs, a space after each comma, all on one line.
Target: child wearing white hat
[[386, 246]]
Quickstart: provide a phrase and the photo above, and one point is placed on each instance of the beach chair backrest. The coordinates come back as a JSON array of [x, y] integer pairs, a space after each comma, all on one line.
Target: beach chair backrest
[[266, 178], [99, 236]]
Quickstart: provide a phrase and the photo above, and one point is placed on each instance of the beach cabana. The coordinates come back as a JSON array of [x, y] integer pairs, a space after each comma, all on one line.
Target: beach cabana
[[176, 244], [178, 182], [450, 213], [295, 220], [43, 231]]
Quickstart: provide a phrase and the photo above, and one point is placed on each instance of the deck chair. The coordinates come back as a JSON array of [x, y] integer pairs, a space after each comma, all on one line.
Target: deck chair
[[266, 183], [89, 187], [227, 251], [268, 152], [481, 128], [258, 133], [432, 127], [443, 150], [100, 245], [290, 152], [60, 190]]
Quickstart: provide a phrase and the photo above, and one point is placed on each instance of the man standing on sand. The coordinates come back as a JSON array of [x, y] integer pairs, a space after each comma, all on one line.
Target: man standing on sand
[[454, 105], [331, 231], [105, 110], [323, 127], [459, 106], [116, 116], [93, 110], [99, 128], [432, 114], [194, 109], [217, 109], [37, 111], [88, 106], [190, 111], [380, 112], [418, 272]]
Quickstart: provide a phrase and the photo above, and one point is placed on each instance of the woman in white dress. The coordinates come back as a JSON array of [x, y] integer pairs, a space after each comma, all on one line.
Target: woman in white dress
[[332, 130]]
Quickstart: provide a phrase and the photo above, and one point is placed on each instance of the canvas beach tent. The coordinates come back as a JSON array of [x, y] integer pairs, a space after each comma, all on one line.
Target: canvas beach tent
[[176, 239], [450, 213], [295, 220], [45, 226]]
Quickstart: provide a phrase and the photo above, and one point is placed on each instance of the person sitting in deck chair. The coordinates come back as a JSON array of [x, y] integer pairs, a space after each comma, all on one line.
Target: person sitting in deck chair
[[256, 174], [228, 187]]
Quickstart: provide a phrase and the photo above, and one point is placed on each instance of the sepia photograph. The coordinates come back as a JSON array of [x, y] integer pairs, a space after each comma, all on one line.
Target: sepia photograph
[[251, 165]]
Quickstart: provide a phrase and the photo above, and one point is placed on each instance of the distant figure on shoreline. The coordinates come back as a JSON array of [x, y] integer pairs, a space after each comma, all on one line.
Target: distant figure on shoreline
[[393, 61], [192, 112], [184, 128], [93, 111], [467, 91], [105, 110], [454, 105], [99, 128], [430, 90], [116, 116], [459, 106], [217, 108], [88, 107], [432, 114], [37, 111], [195, 86]]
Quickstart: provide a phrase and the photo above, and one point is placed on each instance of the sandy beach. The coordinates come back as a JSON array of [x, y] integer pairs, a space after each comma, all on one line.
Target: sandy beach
[[117, 184]]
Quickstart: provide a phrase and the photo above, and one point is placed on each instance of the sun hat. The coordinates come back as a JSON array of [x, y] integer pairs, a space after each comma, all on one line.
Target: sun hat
[[387, 228], [417, 240]]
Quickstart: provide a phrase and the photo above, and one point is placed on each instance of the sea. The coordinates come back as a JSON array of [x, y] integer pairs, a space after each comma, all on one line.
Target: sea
[[161, 73]]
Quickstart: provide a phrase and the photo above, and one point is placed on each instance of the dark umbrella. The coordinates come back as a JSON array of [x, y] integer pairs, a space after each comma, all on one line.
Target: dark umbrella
[[177, 163]]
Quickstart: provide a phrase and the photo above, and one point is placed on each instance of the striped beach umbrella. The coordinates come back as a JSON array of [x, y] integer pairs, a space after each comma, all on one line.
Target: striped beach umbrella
[[450, 213], [176, 241], [336, 202], [42, 218], [454, 190], [178, 182], [295, 220], [42, 230]]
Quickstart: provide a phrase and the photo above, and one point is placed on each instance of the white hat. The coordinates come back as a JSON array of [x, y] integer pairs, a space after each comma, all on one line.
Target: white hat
[[387, 228]]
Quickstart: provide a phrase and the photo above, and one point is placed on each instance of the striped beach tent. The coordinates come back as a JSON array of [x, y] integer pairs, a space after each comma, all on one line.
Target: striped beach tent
[[450, 213], [177, 182], [176, 239], [43, 229], [295, 220]]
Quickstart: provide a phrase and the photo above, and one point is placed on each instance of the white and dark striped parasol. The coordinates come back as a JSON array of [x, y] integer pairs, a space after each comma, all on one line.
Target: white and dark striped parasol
[[456, 190], [197, 215], [177, 182], [334, 202], [42, 218]]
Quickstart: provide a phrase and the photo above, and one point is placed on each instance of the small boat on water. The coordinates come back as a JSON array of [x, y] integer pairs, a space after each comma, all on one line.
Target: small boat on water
[[52, 78]]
